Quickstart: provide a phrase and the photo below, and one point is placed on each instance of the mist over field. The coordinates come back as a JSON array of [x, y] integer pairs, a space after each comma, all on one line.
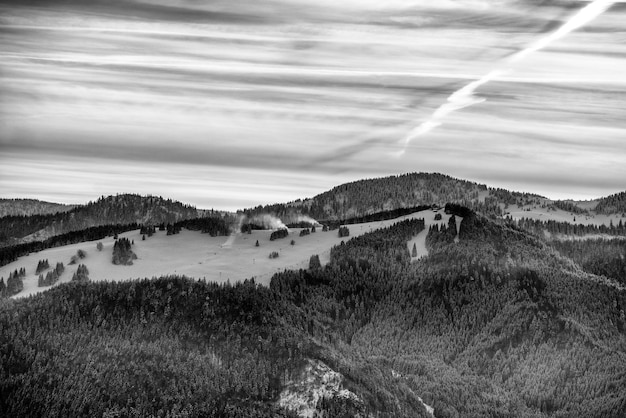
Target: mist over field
[[231, 104]]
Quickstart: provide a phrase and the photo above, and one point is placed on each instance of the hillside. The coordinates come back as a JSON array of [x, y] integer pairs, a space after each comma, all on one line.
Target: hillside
[[120, 209], [28, 207], [193, 254], [492, 322], [364, 197], [615, 203]]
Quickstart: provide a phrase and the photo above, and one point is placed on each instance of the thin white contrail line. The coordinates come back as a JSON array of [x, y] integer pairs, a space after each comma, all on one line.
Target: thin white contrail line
[[465, 96]]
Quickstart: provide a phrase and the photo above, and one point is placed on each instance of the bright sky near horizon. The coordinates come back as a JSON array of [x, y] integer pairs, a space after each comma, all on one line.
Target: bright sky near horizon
[[233, 104]]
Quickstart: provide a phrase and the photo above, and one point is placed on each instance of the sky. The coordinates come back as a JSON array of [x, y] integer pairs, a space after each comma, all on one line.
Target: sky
[[230, 104]]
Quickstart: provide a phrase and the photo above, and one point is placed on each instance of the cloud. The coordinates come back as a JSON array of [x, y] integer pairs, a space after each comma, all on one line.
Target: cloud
[[322, 92]]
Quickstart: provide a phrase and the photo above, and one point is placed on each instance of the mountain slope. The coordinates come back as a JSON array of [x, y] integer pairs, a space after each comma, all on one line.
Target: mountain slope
[[28, 207], [494, 323], [120, 209]]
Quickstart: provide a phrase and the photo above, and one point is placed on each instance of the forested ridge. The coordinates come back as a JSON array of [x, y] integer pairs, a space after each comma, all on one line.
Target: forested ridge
[[28, 207], [120, 209], [370, 196], [494, 323], [615, 203]]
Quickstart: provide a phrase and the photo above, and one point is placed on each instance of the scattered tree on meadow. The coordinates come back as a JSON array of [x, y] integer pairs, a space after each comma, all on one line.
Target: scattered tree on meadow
[[99, 246], [274, 254], [293, 242], [257, 243], [41, 266], [81, 254], [414, 251], [81, 274], [122, 253], [438, 217], [279, 233]]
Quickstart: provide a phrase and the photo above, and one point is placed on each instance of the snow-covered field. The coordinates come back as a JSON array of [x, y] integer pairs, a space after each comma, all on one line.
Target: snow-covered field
[[545, 214], [198, 255]]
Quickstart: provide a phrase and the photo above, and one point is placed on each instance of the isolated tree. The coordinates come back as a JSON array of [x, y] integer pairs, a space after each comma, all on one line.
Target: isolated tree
[[143, 237], [325, 228], [293, 242], [414, 251], [257, 243], [438, 217], [99, 246], [313, 229], [81, 253]]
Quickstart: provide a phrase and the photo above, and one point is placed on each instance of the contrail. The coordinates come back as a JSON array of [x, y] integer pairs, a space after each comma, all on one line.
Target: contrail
[[465, 96]]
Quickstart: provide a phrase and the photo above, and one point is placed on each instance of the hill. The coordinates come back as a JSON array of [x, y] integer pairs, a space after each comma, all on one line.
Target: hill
[[120, 209], [28, 207], [369, 196], [492, 322], [615, 203]]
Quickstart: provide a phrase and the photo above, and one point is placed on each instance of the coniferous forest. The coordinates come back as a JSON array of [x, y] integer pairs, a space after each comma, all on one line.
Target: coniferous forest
[[494, 322]]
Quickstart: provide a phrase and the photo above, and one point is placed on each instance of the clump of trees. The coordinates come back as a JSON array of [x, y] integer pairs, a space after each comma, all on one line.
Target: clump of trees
[[274, 254], [81, 274], [279, 233], [41, 266], [173, 229], [15, 283], [52, 276], [148, 230], [305, 232], [122, 252], [80, 254], [344, 231], [314, 262], [438, 216]]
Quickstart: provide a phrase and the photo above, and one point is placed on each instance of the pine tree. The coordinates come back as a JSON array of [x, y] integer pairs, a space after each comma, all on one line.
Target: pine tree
[[414, 251]]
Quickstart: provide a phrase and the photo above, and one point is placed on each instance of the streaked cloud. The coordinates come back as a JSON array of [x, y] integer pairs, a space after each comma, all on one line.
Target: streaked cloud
[[291, 98]]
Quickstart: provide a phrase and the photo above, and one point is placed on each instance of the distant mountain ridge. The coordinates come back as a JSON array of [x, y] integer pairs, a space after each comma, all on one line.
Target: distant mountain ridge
[[364, 197], [29, 207], [119, 209]]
